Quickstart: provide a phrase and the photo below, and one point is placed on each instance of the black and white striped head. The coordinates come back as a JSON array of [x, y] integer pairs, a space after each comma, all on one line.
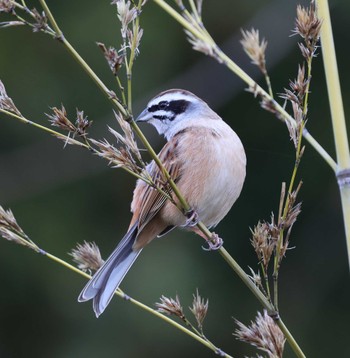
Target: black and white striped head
[[171, 110]]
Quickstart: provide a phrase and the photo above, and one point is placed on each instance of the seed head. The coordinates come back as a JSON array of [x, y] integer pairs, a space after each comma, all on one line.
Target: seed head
[[125, 14], [199, 309], [11, 231], [59, 119], [307, 24], [263, 242], [6, 6], [41, 20], [254, 48], [264, 334], [6, 102], [87, 256], [113, 58], [82, 123], [201, 46], [170, 306]]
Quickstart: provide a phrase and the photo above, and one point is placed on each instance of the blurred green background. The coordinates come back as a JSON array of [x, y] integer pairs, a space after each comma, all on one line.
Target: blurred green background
[[62, 196]]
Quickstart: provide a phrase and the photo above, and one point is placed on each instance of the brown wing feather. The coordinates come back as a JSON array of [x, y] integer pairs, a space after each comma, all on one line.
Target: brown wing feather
[[152, 200]]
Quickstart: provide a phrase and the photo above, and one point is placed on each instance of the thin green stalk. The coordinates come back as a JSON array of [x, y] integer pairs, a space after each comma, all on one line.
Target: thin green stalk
[[267, 292], [201, 334], [276, 271], [277, 258], [122, 90], [268, 83], [245, 278], [306, 98], [194, 10], [223, 58], [338, 115], [48, 130], [132, 59], [51, 18], [93, 76]]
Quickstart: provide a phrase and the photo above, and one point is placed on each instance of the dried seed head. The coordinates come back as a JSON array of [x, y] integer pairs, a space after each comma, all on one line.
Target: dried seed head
[[299, 85], [135, 40], [254, 48], [293, 210], [201, 46], [113, 58], [170, 306], [8, 220], [41, 20], [290, 96], [59, 119], [264, 334], [117, 157], [265, 101], [7, 6], [87, 256], [269, 105], [296, 96], [307, 24], [125, 14], [255, 277], [128, 139], [82, 123], [108, 151], [292, 126], [263, 242], [199, 309], [6, 102], [11, 231], [305, 51]]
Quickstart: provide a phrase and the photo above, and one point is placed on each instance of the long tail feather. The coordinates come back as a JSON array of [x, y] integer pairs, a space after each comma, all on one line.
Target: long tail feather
[[107, 279]]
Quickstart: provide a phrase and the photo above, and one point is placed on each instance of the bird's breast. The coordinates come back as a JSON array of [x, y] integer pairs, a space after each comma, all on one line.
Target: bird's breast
[[212, 171]]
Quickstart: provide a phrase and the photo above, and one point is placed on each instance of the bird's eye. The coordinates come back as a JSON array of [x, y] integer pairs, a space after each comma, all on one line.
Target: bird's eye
[[163, 105]]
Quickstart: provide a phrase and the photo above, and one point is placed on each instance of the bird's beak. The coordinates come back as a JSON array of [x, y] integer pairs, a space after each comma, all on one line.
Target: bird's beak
[[144, 116]]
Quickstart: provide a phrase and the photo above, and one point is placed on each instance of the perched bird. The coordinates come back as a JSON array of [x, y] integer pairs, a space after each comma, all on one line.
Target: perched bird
[[206, 160]]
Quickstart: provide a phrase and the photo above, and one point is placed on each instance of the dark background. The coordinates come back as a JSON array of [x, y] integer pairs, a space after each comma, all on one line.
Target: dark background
[[64, 196]]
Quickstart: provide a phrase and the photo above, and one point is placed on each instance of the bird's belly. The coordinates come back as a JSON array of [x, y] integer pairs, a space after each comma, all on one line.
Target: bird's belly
[[214, 189]]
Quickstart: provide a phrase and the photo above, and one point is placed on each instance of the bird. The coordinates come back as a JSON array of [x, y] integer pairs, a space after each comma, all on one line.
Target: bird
[[206, 160]]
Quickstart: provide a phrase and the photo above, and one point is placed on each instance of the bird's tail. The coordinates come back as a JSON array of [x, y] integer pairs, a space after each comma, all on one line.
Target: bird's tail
[[107, 279]]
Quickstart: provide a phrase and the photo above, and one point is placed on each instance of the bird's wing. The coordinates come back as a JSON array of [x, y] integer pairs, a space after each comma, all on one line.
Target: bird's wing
[[152, 200]]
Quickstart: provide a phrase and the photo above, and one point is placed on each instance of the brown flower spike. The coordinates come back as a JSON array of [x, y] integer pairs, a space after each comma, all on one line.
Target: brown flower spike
[[254, 48], [87, 256], [199, 309], [170, 306], [264, 334]]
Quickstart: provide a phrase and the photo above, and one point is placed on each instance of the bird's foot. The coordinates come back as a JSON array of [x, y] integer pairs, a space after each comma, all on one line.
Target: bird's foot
[[192, 218], [214, 243]]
